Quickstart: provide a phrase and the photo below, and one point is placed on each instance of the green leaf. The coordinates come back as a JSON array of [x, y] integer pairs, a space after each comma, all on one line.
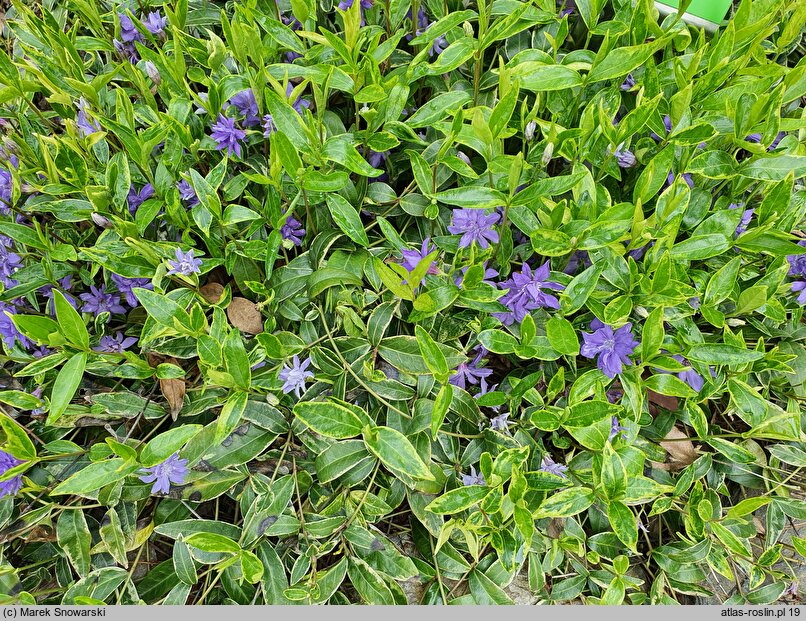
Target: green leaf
[[566, 503], [432, 354], [485, 592], [440, 408], [347, 219], [652, 334], [65, 386], [369, 583], [718, 353], [162, 308], [112, 536], [70, 321], [73, 536], [17, 442], [403, 353], [458, 499], [212, 542], [775, 168], [289, 156], [580, 288], [562, 336], [166, 444], [236, 360], [498, 341], [731, 541], [230, 416], [620, 61], [184, 565], [92, 478], [622, 521], [550, 243], [700, 247], [328, 419], [438, 108], [323, 279], [538, 77], [251, 567], [396, 452], [476, 197], [669, 385], [613, 474]]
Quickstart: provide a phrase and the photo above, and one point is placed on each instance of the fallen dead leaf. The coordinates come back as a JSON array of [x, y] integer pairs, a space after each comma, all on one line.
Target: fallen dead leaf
[[173, 390], [681, 451], [212, 292], [245, 315]]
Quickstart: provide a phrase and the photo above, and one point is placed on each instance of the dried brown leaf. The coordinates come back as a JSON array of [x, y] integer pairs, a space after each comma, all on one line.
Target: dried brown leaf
[[174, 392], [681, 450], [212, 292], [245, 315]]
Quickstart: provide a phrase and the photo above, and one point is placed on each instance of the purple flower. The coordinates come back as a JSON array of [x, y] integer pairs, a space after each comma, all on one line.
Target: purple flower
[[125, 286], [412, 257], [135, 198], [637, 253], [745, 220], [292, 22], [776, 141], [470, 373], [268, 126], [754, 138], [629, 83], [797, 262], [438, 46], [525, 293], [8, 330], [227, 136], [127, 51], [300, 103], [172, 470], [552, 467], [6, 187], [567, 7], [641, 527], [292, 230], [185, 263], [422, 24], [376, 158], [500, 423], [128, 31], [246, 104], [187, 193], [488, 273], [294, 376], [155, 23], [115, 344], [14, 484], [613, 348], [690, 377], [799, 286], [66, 284], [474, 225], [10, 262], [667, 123], [85, 126], [98, 301], [625, 157], [473, 478], [615, 428]]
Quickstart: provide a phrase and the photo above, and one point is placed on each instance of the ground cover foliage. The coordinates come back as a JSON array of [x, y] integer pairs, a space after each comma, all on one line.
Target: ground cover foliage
[[315, 303]]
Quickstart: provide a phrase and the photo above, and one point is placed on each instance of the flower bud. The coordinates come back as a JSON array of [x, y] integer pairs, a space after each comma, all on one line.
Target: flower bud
[[529, 131], [463, 157], [468, 28], [153, 73], [101, 221], [548, 153]]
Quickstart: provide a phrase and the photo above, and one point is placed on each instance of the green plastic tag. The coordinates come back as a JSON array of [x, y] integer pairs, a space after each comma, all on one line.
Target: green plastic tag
[[710, 10]]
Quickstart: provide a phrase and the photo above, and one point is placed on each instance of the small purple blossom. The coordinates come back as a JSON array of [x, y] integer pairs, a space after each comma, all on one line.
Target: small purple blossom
[[500, 423], [797, 262], [612, 347], [525, 293], [344, 5], [10, 262], [798, 287], [377, 158], [115, 344], [66, 284], [85, 126], [474, 225], [747, 215], [268, 126], [187, 193], [125, 286], [127, 51], [98, 301], [294, 376], [754, 138], [134, 199], [473, 478], [412, 257], [172, 470], [227, 135], [470, 373], [300, 103], [292, 22], [552, 467], [128, 31], [625, 157], [185, 263], [8, 330], [615, 429], [293, 231], [690, 376], [246, 104], [686, 177], [629, 83], [13, 485], [155, 23], [580, 257]]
